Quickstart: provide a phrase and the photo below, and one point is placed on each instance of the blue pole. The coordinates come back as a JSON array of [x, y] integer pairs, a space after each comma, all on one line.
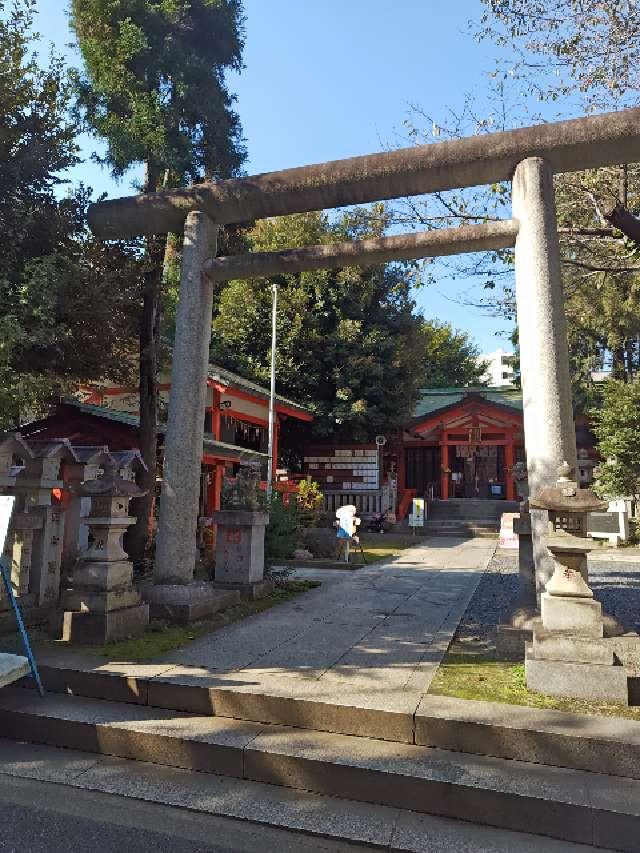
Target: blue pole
[[6, 577]]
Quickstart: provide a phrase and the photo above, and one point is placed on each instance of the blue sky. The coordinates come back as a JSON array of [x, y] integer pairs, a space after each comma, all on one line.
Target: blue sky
[[335, 79]]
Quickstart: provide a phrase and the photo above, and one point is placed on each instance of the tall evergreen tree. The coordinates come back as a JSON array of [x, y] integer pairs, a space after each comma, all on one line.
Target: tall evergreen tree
[[154, 90], [62, 319]]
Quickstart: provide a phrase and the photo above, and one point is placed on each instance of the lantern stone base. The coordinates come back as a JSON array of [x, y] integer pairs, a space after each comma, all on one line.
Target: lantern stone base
[[252, 591], [597, 682], [516, 630], [91, 628], [184, 603], [571, 613], [100, 602]]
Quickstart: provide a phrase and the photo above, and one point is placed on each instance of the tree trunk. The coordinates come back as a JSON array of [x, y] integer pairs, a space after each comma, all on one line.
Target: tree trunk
[[149, 337], [626, 222], [618, 362], [630, 359]]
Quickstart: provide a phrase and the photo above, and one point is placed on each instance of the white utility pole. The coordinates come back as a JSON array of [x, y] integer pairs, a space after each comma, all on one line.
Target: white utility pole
[[272, 396]]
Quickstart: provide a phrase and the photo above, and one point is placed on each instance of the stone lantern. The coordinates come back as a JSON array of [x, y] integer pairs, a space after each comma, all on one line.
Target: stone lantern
[[90, 459], [569, 655], [102, 604], [567, 602]]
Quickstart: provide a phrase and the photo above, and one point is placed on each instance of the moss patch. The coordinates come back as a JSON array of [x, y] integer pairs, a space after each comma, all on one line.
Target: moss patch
[[379, 549], [161, 637], [471, 677]]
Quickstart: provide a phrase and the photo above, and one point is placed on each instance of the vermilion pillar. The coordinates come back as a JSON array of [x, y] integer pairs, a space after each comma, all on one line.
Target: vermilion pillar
[[444, 465], [215, 415], [508, 476]]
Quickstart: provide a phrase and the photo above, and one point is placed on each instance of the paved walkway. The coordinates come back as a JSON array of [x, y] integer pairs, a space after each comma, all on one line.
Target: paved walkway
[[376, 634]]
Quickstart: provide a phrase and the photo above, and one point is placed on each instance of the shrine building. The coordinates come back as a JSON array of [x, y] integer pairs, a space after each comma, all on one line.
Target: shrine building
[[464, 442], [461, 443], [236, 425]]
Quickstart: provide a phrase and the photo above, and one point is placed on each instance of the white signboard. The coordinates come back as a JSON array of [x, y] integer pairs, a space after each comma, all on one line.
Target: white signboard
[[6, 510], [416, 518]]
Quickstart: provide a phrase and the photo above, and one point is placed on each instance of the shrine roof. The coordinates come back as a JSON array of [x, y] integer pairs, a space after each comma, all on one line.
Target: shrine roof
[[227, 377], [435, 399], [211, 446]]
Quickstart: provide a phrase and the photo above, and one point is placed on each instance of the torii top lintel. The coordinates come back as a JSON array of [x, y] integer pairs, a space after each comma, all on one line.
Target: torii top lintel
[[569, 146]]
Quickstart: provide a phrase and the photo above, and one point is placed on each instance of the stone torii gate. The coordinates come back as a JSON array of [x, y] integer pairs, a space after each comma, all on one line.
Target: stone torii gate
[[528, 157]]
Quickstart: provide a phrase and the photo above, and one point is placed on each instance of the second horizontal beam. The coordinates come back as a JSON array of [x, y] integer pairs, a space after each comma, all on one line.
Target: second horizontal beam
[[489, 236]]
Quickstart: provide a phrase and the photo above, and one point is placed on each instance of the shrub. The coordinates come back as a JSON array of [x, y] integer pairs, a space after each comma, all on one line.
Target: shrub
[[282, 532]]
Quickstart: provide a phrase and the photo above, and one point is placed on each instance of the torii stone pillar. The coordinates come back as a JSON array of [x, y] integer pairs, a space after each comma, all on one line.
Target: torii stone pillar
[[549, 429], [179, 499]]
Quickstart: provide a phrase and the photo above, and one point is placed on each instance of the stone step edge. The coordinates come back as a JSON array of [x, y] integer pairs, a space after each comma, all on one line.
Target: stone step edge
[[500, 806], [313, 815], [552, 738]]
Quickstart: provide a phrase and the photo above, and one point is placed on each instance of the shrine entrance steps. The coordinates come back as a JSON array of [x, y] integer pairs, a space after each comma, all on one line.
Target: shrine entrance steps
[[571, 778], [471, 509], [317, 715], [464, 517]]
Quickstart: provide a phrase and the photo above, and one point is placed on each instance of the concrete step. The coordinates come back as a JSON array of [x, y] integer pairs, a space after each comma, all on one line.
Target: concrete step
[[556, 738], [572, 805], [12, 668], [460, 528], [201, 806]]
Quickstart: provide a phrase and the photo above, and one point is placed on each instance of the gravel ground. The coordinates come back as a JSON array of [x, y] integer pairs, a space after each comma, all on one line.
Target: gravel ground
[[616, 585]]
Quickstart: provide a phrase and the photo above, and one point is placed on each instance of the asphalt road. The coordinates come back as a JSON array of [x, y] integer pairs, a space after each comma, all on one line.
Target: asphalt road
[[40, 817]]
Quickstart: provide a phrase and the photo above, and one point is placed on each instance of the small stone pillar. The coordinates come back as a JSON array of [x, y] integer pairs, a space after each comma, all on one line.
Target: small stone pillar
[[102, 604], [542, 335], [179, 499], [38, 488], [240, 551], [569, 655], [240, 537], [517, 622], [18, 546], [522, 526]]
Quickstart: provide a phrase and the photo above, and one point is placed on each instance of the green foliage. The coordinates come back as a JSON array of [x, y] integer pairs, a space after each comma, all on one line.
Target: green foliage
[[283, 530], [309, 496], [310, 502], [349, 340], [65, 301], [155, 88], [451, 359], [616, 423]]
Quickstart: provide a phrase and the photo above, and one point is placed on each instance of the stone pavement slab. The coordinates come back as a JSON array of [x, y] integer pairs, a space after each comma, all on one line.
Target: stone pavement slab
[[375, 633]]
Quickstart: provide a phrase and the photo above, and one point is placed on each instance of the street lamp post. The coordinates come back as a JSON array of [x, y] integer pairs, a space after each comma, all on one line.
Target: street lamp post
[[272, 395]]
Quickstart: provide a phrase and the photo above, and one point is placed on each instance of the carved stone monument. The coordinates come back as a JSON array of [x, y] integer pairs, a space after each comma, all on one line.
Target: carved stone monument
[[102, 604], [240, 538]]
